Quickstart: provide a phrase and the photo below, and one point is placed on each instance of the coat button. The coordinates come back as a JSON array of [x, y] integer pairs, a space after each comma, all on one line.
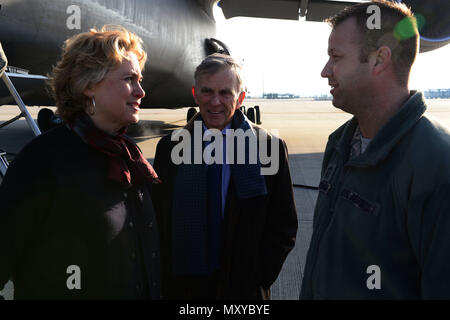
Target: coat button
[[150, 225], [133, 255], [153, 255], [125, 195], [131, 224]]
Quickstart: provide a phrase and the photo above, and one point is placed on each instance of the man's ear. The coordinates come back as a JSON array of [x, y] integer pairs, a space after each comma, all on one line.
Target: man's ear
[[194, 94], [381, 59], [241, 98]]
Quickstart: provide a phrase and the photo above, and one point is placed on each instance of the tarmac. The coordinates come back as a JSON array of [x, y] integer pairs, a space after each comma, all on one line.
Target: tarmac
[[303, 124]]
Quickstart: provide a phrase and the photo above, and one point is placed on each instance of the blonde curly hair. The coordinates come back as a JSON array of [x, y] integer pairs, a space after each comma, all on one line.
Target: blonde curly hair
[[86, 60]]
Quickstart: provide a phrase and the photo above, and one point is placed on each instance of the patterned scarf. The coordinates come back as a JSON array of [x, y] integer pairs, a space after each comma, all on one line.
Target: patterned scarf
[[189, 211], [127, 165]]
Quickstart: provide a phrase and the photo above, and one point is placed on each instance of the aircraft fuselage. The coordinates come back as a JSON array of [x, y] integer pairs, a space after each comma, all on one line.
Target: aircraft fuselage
[[174, 32]]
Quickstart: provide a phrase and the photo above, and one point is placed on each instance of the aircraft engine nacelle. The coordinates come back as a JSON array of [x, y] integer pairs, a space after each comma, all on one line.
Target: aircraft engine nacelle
[[435, 31]]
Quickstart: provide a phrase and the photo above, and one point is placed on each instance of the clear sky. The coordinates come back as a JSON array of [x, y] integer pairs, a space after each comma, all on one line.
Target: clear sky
[[287, 56]]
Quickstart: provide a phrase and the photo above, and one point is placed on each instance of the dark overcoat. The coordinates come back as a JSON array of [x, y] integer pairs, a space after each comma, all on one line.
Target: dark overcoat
[[259, 232], [62, 218]]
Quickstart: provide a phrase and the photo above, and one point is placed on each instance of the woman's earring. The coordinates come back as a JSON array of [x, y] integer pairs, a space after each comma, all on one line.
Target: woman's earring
[[92, 112]]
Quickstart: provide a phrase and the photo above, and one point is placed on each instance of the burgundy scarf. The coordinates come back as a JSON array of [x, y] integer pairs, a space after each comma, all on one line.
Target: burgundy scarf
[[127, 165]]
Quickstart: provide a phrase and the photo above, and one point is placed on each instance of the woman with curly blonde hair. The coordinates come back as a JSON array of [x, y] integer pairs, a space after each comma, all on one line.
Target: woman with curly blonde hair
[[76, 219]]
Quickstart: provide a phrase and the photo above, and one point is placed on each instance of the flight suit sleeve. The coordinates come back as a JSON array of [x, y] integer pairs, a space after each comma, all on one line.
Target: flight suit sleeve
[[282, 222], [429, 228]]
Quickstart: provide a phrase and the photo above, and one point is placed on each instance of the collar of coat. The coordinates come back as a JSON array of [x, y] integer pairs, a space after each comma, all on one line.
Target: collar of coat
[[239, 120], [388, 136], [247, 179]]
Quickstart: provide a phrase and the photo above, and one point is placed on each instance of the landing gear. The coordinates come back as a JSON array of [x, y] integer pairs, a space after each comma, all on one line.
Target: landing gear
[[251, 114], [3, 164], [258, 115], [47, 120], [191, 112]]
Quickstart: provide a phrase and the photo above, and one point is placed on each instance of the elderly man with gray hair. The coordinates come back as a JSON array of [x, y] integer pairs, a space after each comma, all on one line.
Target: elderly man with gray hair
[[227, 225]]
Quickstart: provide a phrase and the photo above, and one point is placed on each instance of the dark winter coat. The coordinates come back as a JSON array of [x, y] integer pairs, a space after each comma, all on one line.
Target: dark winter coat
[[259, 231], [58, 209]]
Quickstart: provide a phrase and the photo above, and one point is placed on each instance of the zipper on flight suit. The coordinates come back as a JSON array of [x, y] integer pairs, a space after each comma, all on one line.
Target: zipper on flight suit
[[322, 226]]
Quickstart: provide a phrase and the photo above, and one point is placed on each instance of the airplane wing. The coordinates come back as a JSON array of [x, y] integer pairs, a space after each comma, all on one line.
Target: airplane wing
[[434, 34], [314, 10]]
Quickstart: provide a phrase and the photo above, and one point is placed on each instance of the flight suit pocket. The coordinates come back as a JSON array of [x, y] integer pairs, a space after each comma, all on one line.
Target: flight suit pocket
[[359, 202]]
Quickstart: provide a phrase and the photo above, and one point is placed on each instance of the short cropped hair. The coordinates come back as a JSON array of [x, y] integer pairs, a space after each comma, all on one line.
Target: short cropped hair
[[217, 62], [398, 30], [86, 60]]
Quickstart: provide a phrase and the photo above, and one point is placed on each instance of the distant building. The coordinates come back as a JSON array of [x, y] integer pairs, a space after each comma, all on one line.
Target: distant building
[[279, 96], [270, 95], [323, 97], [437, 94]]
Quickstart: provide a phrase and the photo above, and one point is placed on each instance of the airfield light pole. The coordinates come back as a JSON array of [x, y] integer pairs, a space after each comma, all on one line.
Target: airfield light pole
[[263, 80]]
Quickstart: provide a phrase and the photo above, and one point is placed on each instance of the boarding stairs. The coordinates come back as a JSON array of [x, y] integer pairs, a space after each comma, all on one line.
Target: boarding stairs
[[23, 110]]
